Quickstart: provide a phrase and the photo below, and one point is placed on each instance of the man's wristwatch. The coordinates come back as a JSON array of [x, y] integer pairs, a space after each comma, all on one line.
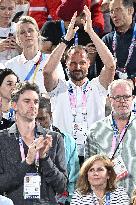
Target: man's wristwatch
[[64, 41]]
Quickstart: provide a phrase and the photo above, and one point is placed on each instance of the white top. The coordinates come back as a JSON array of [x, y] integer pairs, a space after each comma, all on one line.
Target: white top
[[21, 66], [62, 114], [117, 197], [5, 201], [9, 53]]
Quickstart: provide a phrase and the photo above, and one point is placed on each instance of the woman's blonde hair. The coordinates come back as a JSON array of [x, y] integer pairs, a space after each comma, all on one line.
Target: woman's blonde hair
[[83, 184]]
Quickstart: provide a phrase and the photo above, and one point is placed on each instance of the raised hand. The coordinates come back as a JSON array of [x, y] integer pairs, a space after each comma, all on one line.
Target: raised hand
[[71, 29], [88, 22]]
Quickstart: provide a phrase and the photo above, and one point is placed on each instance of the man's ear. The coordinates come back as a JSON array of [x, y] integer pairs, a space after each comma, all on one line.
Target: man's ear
[[14, 106], [130, 11]]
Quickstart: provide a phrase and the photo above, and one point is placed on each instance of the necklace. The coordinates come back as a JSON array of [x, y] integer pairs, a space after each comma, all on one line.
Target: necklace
[[101, 200]]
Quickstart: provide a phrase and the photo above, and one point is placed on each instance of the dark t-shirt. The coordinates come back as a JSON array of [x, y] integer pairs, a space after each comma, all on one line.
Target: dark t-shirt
[[52, 31]]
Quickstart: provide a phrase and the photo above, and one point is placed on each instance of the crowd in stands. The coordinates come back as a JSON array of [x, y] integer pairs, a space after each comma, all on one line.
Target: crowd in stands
[[67, 102]]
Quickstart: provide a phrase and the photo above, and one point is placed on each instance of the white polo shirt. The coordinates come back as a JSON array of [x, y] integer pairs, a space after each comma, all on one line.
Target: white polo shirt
[[61, 108], [21, 66]]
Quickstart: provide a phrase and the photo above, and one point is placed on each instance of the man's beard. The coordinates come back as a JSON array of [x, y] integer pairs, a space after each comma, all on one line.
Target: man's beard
[[122, 116], [77, 75]]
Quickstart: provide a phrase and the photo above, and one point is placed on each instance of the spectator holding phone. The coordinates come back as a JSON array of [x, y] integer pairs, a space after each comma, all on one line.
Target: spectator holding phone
[[8, 45]]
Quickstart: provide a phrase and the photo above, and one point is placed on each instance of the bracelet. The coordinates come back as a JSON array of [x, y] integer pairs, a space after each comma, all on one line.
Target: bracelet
[[63, 40]]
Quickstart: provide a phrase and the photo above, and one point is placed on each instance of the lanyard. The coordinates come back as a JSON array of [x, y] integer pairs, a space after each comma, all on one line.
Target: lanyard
[[63, 28], [64, 33], [107, 199], [134, 109], [114, 148], [73, 100], [22, 152], [76, 39], [34, 70], [130, 50]]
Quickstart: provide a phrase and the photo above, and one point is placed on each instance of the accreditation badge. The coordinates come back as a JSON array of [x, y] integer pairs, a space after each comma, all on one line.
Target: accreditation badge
[[32, 184], [80, 132], [120, 168]]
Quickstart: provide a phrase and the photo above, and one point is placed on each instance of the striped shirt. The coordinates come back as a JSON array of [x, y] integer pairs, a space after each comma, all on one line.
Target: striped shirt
[[100, 141], [117, 197]]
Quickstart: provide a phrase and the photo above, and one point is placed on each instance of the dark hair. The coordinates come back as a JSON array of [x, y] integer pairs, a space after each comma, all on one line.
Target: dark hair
[[127, 3], [5, 72], [76, 49], [45, 103], [83, 184], [22, 87]]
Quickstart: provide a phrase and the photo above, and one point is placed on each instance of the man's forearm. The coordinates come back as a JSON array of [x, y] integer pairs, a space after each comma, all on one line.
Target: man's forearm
[[103, 51], [54, 58]]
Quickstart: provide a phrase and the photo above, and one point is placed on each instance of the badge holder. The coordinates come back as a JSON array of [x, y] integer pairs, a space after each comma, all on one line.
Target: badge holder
[[32, 183], [120, 168]]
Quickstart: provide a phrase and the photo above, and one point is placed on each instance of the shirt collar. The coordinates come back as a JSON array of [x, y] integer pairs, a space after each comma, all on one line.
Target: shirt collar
[[132, 117], [35, 59], [73, 84], [13, 130], [130, 30]]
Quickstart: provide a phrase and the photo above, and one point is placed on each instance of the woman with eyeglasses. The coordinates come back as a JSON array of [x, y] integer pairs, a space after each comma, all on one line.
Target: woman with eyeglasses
[[96, 184]]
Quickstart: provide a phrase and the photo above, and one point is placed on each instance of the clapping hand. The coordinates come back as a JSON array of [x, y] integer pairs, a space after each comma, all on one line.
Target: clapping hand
[[41, 145], [71, 28], [88, 22]]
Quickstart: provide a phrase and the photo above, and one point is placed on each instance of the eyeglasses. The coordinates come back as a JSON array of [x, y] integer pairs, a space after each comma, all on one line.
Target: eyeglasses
[[118, 98]]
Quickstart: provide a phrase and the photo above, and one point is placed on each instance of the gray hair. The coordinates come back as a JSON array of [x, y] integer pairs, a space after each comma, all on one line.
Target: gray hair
[[120, 82]]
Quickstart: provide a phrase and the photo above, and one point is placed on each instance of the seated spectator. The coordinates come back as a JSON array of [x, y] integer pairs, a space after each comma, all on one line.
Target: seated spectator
[[97, 184], [8, 80], [121, 41], [29, 65], [42, 10], [115, 134], [44, 117], [8, 45], [5, 201], [32, 162]]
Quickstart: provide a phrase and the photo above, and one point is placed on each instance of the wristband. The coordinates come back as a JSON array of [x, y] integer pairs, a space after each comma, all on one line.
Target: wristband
[[64, 41]]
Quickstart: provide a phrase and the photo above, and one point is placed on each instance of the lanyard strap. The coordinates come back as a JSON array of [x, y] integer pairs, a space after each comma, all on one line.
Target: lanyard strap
[[22, 152], [73, 99], [34, 69], [108, 198], [76, 39], [130, 50], [63, 28], [114, 148]]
